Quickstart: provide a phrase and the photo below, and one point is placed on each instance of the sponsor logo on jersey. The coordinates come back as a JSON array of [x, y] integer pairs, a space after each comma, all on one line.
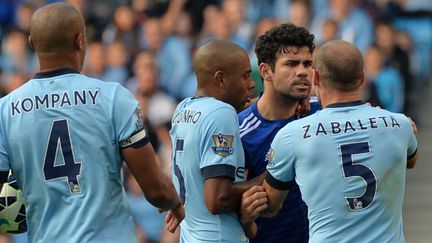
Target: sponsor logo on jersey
[[223, 144]]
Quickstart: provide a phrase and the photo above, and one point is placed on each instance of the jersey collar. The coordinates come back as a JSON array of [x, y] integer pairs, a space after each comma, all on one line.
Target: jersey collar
[[345, 104], [55, 72]]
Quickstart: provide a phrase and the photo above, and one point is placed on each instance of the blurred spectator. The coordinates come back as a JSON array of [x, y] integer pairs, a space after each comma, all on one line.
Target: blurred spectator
[[157, 107], [394, 55], [241, 30], [329, 30], [173, 54], [16, 55], [355, 25], [384, 85], [149, 222], [299, 13], [94, 65], [123, 29], [117, 58], [23, 16], [264, 25]]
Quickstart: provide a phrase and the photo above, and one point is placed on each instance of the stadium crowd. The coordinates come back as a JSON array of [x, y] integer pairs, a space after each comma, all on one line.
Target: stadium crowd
[[147, 45]]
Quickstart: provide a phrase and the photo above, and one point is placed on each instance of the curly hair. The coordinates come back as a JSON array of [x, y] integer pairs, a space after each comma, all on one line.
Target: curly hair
[[279, 39]]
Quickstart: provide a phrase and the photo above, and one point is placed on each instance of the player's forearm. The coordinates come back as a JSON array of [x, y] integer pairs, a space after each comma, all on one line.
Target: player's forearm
[[163, 195]]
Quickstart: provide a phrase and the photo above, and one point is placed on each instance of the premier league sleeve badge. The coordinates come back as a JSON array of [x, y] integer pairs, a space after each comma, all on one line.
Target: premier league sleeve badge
[[223, 144]]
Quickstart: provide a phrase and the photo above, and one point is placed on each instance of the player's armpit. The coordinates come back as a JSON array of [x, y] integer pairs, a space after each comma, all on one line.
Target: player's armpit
[[412, 160], [275, 199]]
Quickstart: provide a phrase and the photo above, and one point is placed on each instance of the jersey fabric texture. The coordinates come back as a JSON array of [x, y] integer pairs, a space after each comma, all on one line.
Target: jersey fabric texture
[[257, 133], [61, 135], [206, 144], [349, 161]]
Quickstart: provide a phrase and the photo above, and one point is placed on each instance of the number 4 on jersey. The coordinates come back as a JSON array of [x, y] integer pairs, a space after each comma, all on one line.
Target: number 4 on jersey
[[59, 142]]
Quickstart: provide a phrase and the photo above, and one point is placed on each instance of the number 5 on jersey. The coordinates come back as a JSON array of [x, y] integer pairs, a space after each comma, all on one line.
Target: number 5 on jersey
[[179, 148], [352, 169], [59, 143]]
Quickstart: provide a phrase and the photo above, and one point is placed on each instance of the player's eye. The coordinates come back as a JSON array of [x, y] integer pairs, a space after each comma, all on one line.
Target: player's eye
[[307, 64]]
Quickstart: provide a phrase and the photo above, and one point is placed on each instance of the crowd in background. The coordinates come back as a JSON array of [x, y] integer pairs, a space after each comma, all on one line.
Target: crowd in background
[[147, 46]]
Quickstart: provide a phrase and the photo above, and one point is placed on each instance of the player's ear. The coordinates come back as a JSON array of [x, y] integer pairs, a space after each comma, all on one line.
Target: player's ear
[[265, 71], [79, 42], [219, 78], [30, 42], [362, 79], [316, 77]]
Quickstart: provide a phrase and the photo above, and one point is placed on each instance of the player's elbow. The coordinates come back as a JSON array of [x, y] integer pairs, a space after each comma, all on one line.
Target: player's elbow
[[411, 162], [218, 204]]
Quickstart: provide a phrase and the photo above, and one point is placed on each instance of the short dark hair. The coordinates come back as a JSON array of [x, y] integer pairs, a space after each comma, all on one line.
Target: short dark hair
[[278, 39]]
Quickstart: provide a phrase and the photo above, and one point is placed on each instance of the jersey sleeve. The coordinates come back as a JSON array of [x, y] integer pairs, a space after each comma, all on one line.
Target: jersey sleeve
[[280, 168], [128, 120], [412, 143], [222, 146]]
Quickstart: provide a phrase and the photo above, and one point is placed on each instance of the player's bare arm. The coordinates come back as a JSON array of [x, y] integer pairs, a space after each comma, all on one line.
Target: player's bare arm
[[156, 186], [275, 199], [222, 195]]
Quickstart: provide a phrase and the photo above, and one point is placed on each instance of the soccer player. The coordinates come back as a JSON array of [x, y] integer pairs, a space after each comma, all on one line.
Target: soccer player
[[348, 159], [208, 158], [65, 135], [285, 62]]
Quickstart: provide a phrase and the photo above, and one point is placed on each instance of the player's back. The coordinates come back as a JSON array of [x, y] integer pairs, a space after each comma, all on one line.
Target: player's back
[[204, 146], [63, 146], [354, 186]]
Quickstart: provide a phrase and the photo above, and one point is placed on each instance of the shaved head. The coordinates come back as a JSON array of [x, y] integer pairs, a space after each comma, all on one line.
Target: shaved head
[[223, 71], [340, 65], [55, 27], [216, 55]]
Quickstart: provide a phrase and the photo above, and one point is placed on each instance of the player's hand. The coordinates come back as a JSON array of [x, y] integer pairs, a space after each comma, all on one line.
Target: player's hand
[[174, 218], [303, 108], [254, 201]]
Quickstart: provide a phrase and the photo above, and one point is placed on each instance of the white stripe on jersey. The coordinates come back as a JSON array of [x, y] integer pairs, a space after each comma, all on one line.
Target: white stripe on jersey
[[251, 115], [135, 138], [248, 124], [250, 128]]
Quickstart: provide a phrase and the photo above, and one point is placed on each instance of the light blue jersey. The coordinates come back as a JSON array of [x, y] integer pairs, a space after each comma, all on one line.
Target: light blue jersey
[[61, 134], [349, 161], [206, 144]]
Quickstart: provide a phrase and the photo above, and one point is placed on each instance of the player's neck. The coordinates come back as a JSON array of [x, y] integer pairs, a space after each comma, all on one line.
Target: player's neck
[[273, 108], [52, 62], [333, 97]]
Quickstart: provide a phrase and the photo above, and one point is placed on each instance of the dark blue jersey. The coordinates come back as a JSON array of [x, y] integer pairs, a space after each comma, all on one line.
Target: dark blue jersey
[[257, 133]]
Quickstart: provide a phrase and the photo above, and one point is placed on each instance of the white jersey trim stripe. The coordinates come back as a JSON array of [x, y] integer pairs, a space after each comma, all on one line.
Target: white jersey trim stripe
[[250, 129], [249, 124], [250, 116], [135, 138]]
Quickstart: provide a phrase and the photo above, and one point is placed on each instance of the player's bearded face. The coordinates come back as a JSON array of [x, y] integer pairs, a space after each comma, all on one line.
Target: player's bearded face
[[292, 73]]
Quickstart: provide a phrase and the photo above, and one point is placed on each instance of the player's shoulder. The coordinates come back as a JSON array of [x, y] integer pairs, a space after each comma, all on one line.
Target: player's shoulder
[[210, 106]]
